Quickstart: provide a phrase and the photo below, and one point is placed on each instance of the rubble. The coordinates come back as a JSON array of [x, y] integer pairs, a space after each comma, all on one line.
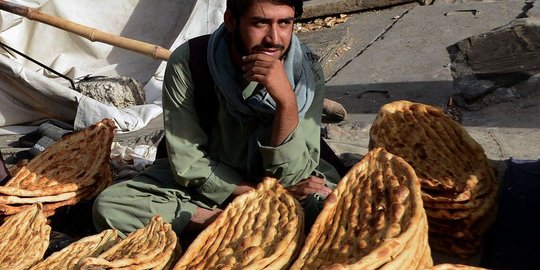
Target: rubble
[[488, 67]]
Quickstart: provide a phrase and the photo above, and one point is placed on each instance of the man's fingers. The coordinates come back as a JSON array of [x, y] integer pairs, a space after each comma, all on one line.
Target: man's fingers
[[315, 179], [257, 56]]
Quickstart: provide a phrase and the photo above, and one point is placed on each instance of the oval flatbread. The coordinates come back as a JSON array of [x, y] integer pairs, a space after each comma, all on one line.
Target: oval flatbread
[[70, 164], [150, 247], [374, 216], [260, 229]]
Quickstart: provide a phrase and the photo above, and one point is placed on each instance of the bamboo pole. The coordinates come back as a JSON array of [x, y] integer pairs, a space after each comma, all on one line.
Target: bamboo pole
[[93, 35], [89, 33]]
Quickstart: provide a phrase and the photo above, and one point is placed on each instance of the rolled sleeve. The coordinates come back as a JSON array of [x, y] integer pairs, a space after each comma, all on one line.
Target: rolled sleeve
[[290, 150]]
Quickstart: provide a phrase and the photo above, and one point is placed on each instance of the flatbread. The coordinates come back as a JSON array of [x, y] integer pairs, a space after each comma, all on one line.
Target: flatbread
[[410, 257], [145, 248], [25, 237], [369, 218], [71, 164], [445, 157], [426, 260], [69, 257], [463, 231], [448, 266], [7, 199], [260, 229], [48, 208]]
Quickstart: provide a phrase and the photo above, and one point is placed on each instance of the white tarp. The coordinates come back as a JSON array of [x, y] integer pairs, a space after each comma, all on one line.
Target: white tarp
[[29, 93]]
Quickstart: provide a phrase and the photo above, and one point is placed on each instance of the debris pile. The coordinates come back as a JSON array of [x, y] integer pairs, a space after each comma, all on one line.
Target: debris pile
[[328, 22]]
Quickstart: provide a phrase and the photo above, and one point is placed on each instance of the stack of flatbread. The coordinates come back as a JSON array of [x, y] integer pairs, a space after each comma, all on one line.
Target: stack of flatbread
[[25, 237], [458, 184], [69, 257], [151, 247], [374, 219], [75, 168], [261, 229]]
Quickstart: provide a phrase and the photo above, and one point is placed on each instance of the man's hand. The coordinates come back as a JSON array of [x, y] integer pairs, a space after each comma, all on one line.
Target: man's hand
[[269, 72], [308, 186], [242, 188]]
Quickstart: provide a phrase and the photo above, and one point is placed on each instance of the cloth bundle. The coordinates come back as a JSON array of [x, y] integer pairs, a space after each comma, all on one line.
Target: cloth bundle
[[374, 219], [459, 186], [72, 169]]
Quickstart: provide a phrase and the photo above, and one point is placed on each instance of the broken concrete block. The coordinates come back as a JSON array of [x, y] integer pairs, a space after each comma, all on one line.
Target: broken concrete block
[[120, 92]]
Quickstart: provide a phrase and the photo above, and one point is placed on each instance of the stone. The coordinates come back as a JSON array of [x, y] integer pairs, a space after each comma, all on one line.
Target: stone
[[120, 92], [513, 48], [471, 88], [529, 87]]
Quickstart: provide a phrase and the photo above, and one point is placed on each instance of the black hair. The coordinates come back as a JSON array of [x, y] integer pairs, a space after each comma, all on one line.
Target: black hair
[[238, 7]]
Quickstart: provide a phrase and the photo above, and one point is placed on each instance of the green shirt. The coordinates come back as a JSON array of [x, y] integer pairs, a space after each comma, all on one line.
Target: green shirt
[[214, 167]]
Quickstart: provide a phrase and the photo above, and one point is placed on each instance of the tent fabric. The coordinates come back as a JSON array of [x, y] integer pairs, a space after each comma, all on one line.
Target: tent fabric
[[30, 94]]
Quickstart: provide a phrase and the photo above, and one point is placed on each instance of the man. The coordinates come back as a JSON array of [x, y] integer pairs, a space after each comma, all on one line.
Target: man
[[270, 92]]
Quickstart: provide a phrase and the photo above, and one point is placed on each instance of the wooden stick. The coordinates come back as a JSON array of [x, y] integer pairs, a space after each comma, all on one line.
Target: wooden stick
[[91, 34]]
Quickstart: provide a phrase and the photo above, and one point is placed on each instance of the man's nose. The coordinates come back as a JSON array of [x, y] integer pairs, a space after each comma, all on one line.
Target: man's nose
[[272, 34]]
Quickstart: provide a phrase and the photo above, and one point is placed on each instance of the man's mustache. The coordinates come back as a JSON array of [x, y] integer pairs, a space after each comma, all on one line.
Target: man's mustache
[[268, 46]]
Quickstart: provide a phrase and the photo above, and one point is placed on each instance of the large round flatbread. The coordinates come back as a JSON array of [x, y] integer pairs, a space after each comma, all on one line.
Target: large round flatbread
[[261, 229], [74, 162], [25, 237], [450, 164], [369, 219], [150, 247], [69, 257]]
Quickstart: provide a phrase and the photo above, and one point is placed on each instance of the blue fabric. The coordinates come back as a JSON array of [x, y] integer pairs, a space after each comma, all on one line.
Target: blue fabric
[[513, 240]]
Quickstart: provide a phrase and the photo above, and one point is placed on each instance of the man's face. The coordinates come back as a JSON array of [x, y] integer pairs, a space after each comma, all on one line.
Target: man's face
[[266, 27]]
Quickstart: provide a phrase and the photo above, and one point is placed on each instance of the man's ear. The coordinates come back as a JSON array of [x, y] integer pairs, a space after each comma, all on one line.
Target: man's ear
[[229, 20]]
